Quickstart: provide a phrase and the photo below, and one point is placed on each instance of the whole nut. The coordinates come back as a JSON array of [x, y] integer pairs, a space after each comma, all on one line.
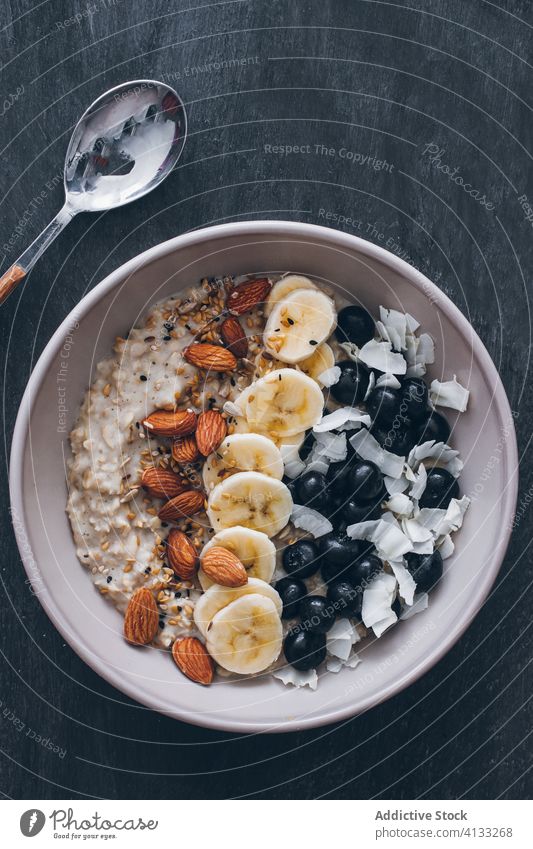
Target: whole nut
[[185, 450], [183, 505], [210, 357], [141, 621], [248, 295], [170, 423], [223, 567], [211, 430], [191, 658], [181, 554], [234, 337], [161, 483]]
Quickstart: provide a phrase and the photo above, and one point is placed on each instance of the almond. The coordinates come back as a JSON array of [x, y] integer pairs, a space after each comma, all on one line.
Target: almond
[[234, 337], [210, 357], [185, 504], [181, 554], [248, 295], [141, 621], [223, 567], [161, 483], [185, 450], [211, 430], [170, 423], [191, 658]]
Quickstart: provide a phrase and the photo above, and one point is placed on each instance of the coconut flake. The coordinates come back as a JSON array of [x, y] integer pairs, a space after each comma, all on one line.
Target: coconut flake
[[371, 384], [293, 463], [400, 504], [330, 376], [310, 520], [351, 350], [419, 604], [369, 449], [439, 452], [335, 420], [340, 639], [395, 323], [406, 582], [449, 393], [388, 538], [442, 522], [232, 409], [395, 485], [333, 446], [379, 355], [418, 370], [335, 664], [416, 531], [412, 323], [446, 547], [290, 675], [377, 600], [389, 381], [419, 484], [425, 353]]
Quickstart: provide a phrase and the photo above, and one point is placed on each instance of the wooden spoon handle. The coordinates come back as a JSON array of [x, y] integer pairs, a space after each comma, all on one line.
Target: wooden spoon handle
[[10, 280]]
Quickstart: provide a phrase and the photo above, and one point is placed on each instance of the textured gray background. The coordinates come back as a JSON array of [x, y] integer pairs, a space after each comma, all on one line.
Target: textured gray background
[[382, 79]]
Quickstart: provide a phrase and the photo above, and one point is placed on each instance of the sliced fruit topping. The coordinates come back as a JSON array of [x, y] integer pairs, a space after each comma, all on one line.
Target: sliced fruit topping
[[246, 636], [320, 361], [284, 403], [250, 499], [284, 287], [217, 597], [298, 324], [242, 452]]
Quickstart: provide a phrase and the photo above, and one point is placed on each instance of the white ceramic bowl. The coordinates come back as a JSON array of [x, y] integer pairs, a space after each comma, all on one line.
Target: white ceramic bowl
[[364, 273]]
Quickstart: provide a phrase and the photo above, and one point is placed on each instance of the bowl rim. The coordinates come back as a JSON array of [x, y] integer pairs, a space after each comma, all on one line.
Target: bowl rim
[[267, 229]]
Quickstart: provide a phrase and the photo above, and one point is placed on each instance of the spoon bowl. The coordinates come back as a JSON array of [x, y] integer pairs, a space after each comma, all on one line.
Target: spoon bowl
[[123, 146]]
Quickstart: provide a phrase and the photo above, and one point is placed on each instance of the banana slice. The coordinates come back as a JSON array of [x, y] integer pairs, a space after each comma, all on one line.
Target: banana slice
[[252, 500], [217, 597], [283, 403], [322, 359], [242, 426], [245, 636], [298, 323], [254, 549], [284, 287], [242, 452]]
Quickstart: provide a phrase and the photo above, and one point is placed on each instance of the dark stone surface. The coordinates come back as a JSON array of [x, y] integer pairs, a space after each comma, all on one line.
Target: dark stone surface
[[381, 80]]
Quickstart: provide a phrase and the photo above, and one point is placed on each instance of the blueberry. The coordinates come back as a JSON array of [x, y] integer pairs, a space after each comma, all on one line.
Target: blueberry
[[355, 324], [397, 440], [304, 649], [311, 490], [292, 591], [345, 599], [383, 404], [352, 384], [434, 427], [301, 559], [441, 487], [338, 552], [426, 569], [338, 475], [353, 511], [415, 398], [366, 481], [316, 614], [365, 569], [334, 509]]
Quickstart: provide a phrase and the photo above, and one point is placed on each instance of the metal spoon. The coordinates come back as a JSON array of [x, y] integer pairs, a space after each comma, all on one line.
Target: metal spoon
[[122, 147]]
